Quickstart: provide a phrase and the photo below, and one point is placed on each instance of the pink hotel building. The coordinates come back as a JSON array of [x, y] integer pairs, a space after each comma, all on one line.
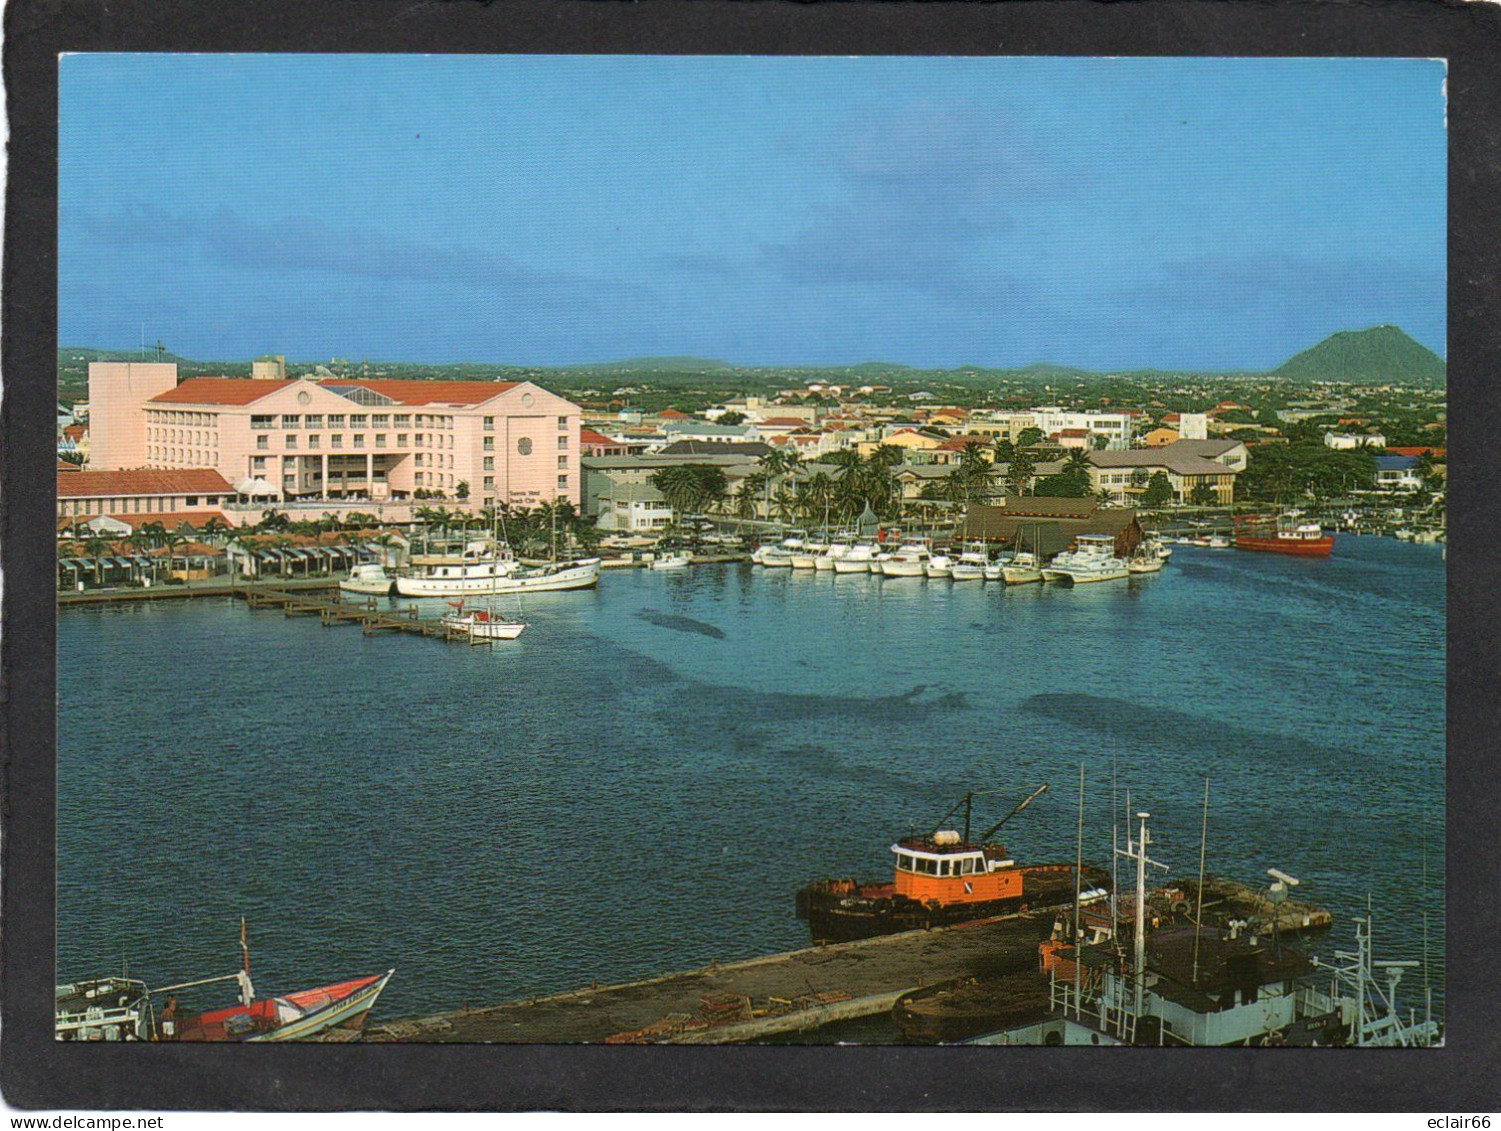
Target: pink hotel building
[[337, 438]]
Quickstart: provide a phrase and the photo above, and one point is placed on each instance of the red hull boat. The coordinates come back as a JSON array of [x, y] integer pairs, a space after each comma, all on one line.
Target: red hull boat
[[1281, 535]]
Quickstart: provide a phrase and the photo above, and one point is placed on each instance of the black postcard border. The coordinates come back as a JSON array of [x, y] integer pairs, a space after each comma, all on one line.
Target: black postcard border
[[37, 1072]]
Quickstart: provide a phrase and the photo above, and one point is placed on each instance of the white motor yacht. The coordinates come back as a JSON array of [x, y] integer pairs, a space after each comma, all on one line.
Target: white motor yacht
[[824, 563], [368, 578], [910, 560], [1093, 559], [860, 559], [940, 565], [1022, 569]]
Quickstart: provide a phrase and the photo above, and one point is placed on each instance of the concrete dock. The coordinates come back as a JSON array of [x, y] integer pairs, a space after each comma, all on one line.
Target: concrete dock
[[788, 993], [750, 1000]]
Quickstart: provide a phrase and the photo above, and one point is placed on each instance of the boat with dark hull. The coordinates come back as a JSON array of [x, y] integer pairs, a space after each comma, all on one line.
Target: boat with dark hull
[[938, 880]]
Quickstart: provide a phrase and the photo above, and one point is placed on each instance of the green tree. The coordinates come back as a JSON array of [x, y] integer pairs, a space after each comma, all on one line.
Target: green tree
[[681, 487], [1159, 490], [1029, 436], [1019, 474], [461, 489], [1202, 495], [731, 418]]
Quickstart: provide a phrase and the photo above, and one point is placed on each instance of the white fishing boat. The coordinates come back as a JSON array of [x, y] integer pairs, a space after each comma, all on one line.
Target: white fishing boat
[[1148, 564], [481, 625], [369, 578], [670, 561], [478, 568], [1218, 542], [910, 560], [940, 565], [807, 557], [824, 563], [859, 559], [995, 571], [1022, 569], [1092, 559], [971, 565]]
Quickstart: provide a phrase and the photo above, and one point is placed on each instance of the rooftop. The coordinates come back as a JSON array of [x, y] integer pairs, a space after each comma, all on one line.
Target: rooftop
[[190, 481]]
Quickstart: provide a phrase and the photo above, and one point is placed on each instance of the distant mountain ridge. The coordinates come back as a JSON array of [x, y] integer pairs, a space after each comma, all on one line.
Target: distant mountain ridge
[[1382, 353]]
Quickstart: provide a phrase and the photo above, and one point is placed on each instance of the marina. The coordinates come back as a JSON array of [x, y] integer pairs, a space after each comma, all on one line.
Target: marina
[[845, 711]]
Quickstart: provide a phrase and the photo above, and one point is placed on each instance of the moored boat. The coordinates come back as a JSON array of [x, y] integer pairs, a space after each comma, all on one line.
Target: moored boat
[[938, 879], [482, 624], [670, 561], [369, 578], [124, 1009], [477, 568], [1282, 534], [909, 560], [1092, 559], [859, 559]]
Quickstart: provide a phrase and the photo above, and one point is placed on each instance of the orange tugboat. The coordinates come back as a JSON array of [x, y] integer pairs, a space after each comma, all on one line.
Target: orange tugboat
[[1281, 535], [939, 879]]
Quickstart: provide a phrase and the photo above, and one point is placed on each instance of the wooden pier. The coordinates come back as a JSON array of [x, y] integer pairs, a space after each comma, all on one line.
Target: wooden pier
[[372, 614]]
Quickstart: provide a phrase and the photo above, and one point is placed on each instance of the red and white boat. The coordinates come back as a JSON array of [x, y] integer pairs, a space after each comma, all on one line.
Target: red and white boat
[[125, 1009], [1281, 534], [482, 624]]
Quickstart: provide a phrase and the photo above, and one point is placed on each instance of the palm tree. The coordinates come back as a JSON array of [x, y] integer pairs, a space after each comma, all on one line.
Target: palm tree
[[786, 504], [1019, 475], [680, 486]]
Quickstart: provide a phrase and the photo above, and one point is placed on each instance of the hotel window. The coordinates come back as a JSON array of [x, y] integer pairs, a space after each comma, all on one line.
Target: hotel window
[[403, 420], [258, 463], [489, 483], [263, 442], [291, 441], [401, 439], [489, 443], [262, 421], [562, 481], [380, 440], [417, 460], [359, 420], [419, 440], [312, 441], [489, 463], [359, 440], [336, 441], [562, 423], [489, 424], [291, 422], [562, 461], [336, 420], [380, 420], [562, 443]]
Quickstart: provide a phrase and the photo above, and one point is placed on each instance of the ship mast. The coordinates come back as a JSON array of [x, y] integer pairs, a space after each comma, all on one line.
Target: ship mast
[[1142, 860]]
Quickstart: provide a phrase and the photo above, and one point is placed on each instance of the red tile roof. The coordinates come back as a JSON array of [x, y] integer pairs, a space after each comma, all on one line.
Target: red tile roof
[[671, 414], [428, 392], [170, 520], [76, 431], [1431, 453], [219, 390], [187, 481], [590, 436], [785, 421], [244, 390]]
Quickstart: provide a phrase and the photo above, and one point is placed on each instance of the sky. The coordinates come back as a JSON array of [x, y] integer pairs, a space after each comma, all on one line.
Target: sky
[[1204, 214]]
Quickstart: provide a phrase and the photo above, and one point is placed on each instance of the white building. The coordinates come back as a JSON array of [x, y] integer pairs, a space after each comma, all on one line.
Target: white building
[[1349, 441]]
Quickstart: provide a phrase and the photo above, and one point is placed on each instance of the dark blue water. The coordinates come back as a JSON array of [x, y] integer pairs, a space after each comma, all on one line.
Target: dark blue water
[[641, 782]]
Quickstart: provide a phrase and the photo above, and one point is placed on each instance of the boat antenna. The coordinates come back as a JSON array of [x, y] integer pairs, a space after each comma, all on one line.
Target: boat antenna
[[1427, 984], [1115, 868], [990, 832], [1078, 873], [1199, 909]]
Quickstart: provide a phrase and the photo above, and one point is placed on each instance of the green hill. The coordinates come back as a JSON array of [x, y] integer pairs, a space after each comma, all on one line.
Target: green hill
[[1382, 353]]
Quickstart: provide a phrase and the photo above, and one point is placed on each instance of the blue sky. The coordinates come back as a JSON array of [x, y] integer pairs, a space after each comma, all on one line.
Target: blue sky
[[1109, 213]]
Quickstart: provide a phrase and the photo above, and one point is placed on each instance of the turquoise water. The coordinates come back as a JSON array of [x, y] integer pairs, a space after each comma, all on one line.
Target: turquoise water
[[640, 783]]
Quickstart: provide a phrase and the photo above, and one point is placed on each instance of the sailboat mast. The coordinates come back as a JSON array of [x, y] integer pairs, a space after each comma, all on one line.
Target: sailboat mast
[[1199, 910], [1141, 911], [1078, 873]]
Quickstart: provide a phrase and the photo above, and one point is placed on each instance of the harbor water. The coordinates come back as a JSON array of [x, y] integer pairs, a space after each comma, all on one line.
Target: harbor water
[[642, 781]]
